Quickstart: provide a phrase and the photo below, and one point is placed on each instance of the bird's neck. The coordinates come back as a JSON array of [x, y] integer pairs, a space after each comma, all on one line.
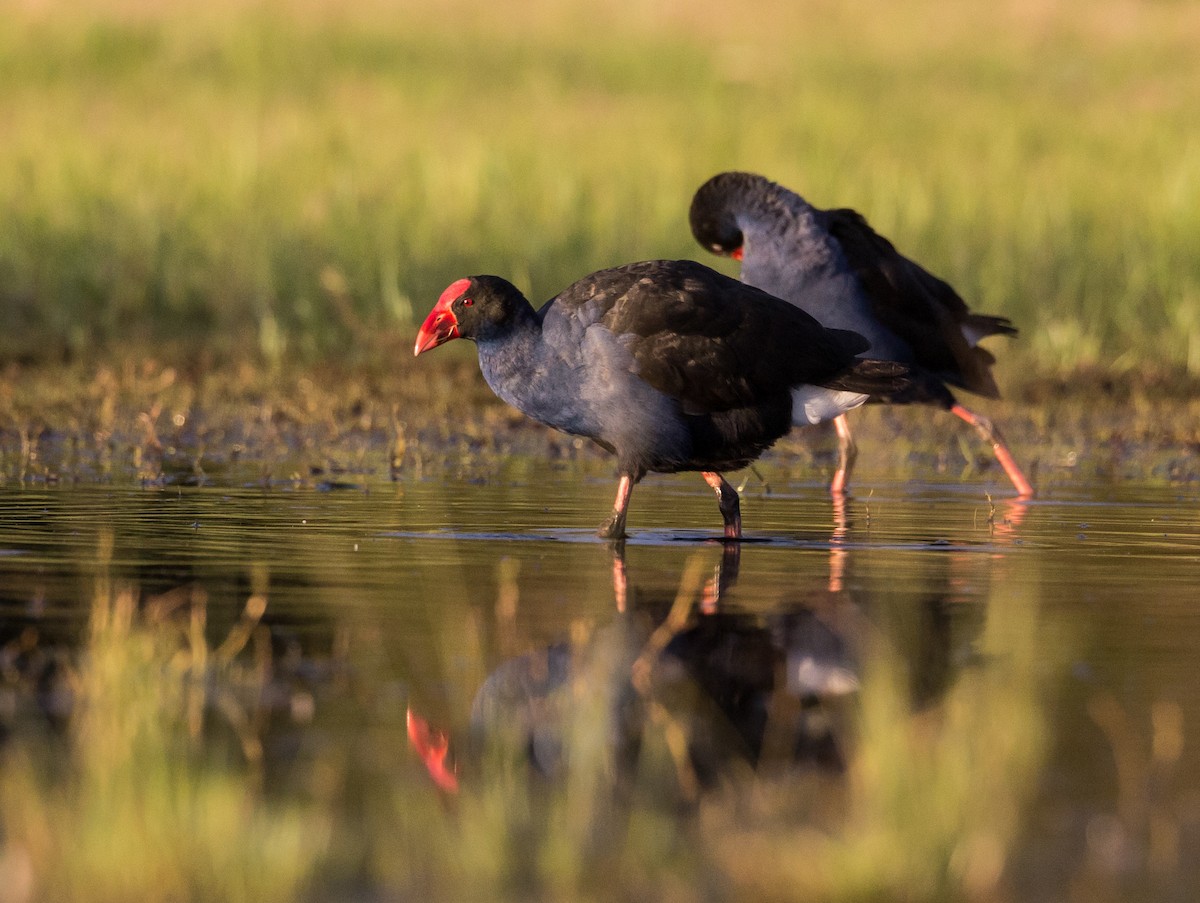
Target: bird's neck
[[786, 246], [509, 361], [540, 378]]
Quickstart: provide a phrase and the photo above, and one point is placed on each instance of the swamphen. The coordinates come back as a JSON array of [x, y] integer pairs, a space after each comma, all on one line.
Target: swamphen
[[669, 365], [833, 265]]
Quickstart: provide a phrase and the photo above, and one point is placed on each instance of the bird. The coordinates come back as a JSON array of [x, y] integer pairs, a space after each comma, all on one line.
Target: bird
[[836, 267], [668, 364]]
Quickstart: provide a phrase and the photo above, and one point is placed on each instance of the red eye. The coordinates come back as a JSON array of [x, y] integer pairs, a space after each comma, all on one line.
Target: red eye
[[467, 302]]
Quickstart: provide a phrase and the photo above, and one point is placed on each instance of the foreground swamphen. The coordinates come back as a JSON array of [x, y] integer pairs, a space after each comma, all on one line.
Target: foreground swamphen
[[833, 265], [669, 365]]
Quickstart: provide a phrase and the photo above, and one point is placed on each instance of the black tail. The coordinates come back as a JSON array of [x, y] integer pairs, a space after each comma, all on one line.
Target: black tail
[[883, 379]]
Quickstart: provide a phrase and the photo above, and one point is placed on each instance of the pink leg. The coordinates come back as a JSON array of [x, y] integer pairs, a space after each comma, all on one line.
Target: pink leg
[[837, 549], [847, 453], [727, 500], [1012, 516], [725, 577], [620, 577], [984, 427], [614, 526]]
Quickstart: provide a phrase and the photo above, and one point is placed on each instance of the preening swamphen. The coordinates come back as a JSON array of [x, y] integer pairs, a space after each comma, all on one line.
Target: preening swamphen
[[833, 265], [669, 365]]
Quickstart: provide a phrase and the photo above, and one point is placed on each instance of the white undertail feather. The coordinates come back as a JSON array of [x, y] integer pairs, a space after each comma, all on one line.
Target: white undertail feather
[[815, 404]]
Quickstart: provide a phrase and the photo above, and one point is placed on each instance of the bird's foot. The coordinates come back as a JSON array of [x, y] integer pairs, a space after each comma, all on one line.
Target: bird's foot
[[727, 501], [613, 527]]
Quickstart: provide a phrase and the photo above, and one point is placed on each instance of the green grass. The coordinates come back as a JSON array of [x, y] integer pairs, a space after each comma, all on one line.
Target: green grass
[[290, 180], [130, 805]]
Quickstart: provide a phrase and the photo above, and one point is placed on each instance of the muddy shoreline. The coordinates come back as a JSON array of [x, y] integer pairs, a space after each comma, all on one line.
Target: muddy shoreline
[[143, 421]]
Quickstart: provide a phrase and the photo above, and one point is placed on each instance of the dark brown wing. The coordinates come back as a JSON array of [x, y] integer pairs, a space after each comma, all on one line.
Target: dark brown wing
[[715, 343], [918, 306]]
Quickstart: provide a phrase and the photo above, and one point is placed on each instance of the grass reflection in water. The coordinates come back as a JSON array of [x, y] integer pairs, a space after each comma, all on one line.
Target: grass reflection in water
[[675, 752]]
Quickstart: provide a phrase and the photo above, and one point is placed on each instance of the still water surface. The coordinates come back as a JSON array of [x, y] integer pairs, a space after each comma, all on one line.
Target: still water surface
[[422, 590]]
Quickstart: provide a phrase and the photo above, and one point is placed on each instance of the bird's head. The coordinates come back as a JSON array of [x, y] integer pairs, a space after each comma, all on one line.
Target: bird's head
[[714, 211], [479, 307]]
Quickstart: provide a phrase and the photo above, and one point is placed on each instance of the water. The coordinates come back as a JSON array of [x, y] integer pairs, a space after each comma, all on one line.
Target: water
[[384, 598]]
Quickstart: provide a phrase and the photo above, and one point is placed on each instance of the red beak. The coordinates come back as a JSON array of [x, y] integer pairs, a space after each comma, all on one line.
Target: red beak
[[432, 746], [737, 253], [441, 325]]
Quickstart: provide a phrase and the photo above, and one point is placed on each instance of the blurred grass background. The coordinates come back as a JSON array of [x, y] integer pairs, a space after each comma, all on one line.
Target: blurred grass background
[[292, 179]]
